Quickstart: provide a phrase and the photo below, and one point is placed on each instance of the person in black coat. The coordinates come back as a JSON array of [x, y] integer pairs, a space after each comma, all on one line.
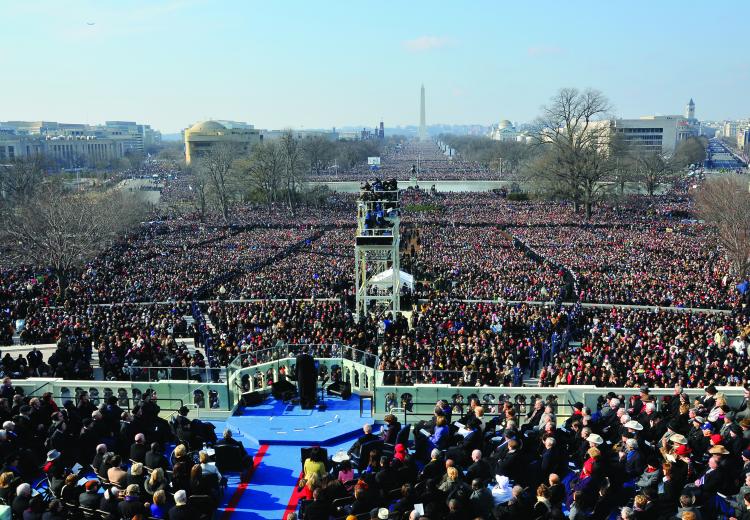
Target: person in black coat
[[479, 469], [515, 509], [435, 469], [367, 437], [182, 511], [406, 502], [712, 481], [90, 497], [55, 511], [21, 500], [511, 464], [154, 458], [550, 462], [632, 460], [391, 429], [138, 449], [109, 502], [132, 505], [87, 443], [387, 477], [556, 490]]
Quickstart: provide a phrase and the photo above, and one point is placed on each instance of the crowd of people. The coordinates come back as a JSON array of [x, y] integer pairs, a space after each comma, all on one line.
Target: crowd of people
[[649, 265], [62, 460], [458, 246], [424, 161], [480, 263], [630, 457]]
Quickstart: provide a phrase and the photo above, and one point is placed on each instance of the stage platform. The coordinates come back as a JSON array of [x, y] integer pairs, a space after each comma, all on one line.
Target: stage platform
[[276, 423]]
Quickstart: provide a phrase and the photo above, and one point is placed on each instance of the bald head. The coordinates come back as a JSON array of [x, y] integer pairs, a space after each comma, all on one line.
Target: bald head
[[476, 455]]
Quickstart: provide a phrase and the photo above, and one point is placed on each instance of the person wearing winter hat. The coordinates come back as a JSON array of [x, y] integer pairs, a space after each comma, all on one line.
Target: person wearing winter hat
[[90, 497], [683, 450], [399, 452]]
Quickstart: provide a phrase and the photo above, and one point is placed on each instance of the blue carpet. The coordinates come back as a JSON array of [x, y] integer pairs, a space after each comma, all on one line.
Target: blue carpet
[[274, 481], [276, 423]]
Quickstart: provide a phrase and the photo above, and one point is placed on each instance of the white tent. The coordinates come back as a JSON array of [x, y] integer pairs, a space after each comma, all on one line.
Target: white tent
[[384, 278]]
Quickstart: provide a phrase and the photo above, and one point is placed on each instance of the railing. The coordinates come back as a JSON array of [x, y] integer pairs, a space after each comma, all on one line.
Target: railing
[[125, 402], [195, 374], [256, 371], [205, 396], [421, 399]]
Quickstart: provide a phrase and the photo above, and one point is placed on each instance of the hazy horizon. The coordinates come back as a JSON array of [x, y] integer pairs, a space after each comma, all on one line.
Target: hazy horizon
[[318, 65]]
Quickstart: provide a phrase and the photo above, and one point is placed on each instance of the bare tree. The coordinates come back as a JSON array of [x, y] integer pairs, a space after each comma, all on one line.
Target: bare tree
[[690, 151], [653, 169], [293, 168], [576, 136], [318, 151], [264, 169], [725, 203], [216, 167], [199, 190], [63, 231], [20, 180]]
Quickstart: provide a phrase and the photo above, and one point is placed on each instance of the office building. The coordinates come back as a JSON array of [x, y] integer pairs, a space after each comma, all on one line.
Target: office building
[[71, 151], [659, 134], [135, 137], [76, 144], [743, 140]]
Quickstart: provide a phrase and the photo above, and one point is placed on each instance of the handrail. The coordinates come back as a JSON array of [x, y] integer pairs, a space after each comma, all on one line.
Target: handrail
[[31, 394], [128, 399]]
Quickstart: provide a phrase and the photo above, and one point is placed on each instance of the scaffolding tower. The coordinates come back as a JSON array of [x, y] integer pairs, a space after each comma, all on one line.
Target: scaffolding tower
[[376, 250]]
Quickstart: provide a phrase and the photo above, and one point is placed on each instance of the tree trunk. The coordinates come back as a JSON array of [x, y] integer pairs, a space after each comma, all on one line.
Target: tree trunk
[[62, 284]]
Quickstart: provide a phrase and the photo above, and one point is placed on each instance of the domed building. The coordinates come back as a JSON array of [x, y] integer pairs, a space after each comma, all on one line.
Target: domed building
[[205, 135], [504, 131]]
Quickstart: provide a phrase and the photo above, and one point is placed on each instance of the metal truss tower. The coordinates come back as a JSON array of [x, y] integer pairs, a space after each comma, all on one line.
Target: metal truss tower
[[376, 249]]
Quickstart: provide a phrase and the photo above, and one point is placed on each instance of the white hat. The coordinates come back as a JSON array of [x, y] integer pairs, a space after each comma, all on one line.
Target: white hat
[[52, 455], [677, 438], [383, 513], [634, 425], [595, 438]]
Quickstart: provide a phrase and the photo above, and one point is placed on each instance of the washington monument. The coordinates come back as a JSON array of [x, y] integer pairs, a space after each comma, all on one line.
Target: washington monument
[[422, 123]]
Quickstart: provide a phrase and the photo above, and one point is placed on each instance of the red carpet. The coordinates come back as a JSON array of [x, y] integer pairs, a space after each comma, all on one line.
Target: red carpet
[[293, 500], [243, 485]]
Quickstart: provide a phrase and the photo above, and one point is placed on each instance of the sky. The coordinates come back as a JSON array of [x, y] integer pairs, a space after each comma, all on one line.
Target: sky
[[324, 63]]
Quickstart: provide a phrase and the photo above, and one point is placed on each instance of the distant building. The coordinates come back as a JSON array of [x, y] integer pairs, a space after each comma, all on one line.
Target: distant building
[[70, 151], [76, 144], [655, 133], [743, 140], [690, 110], [270, 135], [206, 135], [504, 131], [730, 129], [135, 137]]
